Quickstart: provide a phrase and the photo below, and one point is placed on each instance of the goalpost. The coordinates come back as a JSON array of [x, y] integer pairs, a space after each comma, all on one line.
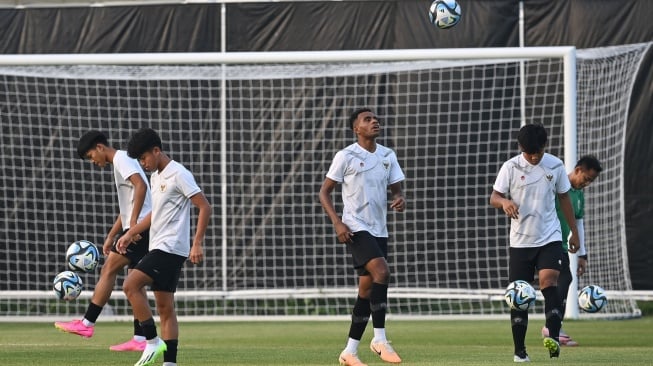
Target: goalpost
[[259, 130]]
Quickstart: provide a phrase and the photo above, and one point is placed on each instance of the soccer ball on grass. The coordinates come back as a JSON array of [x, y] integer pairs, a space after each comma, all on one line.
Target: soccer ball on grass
[[444, 14], [520, 295], [67, 285], [592, 299], [82, 256]]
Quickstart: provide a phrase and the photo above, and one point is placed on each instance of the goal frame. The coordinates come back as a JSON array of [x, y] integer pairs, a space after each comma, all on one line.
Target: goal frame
[[566, 53]]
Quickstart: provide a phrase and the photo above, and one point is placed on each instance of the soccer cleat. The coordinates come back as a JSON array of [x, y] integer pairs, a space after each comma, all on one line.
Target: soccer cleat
[[564, 338], [75, 327], [130, 345], [385, 351], [151, 353], [553, 346], [521, 356], [349, 359]]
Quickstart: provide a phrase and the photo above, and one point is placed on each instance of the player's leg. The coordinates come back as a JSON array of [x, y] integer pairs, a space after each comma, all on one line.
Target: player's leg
[[359, 317], [165, 306], [361, 311], [520, 267], [549, 264], [564, 282], [135, 252], [164, 270], [379, 272], [85, 327]]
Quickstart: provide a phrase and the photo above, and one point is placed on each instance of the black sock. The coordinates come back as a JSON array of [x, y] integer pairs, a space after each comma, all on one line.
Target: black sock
[[92, 312], [379, 304], [149, 329], [519, 325], [170, 355], [359, 317], [138, 331], [552, 311]]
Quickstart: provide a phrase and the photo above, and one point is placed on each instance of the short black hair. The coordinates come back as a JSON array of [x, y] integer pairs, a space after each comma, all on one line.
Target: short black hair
[[354, 116], [532, 138], [142, 141], [589, 162], [88, 142]]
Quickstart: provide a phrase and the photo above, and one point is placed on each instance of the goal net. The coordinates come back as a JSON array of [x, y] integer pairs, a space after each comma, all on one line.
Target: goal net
[[259, 131]]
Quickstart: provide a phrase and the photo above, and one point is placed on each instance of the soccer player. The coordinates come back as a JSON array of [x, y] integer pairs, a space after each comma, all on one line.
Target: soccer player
[[366, 170], [173, 191], [587, 169], [525, 190], [134, 202]]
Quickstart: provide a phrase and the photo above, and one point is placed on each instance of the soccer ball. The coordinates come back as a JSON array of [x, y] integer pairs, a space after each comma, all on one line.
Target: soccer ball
[[67, 285], [444, 13], [82, 256], [520, 295], [592, 299]]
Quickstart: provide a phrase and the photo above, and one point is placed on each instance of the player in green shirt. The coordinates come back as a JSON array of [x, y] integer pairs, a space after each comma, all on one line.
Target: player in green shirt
[[586, 171]]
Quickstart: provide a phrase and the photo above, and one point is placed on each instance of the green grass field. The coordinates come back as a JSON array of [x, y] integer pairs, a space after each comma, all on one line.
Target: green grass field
[[420, 343]]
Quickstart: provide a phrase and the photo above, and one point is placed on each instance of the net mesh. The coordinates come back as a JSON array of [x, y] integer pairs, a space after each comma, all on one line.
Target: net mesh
[[273, 251]]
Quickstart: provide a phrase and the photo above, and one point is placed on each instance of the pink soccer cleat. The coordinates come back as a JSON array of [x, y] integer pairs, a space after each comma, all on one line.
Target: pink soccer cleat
[[75, 327], [130, 345]]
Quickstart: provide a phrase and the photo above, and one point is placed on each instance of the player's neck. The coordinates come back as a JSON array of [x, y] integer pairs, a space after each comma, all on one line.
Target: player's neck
[[164, 160], [111, 152], [367, 144]]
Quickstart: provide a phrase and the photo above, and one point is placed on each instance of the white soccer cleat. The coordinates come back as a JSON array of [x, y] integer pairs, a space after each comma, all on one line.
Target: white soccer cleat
[[151, 353]]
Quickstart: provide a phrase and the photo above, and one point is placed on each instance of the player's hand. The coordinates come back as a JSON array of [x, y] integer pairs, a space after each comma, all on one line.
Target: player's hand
[[108, 244], [582, 266], [344, 234], [123, 242], [573, 243], [196, 253], [510, 209], [398, 204]]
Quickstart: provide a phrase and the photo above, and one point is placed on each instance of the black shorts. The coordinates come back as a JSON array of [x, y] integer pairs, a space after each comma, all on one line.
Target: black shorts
[[524, 261], [565, 266], [164, 269], [135, 251], [364, 248]]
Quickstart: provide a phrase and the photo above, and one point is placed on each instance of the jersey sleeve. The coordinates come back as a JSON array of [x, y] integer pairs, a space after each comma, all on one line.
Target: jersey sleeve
[[396, 174], [336, 171], [562, 182], [502, 183], [126, 166], [187, 184]]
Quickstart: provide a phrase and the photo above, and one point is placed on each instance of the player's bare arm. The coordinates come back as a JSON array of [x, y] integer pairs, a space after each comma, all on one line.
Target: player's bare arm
[[111, 236], [343, 232], [196, 252], [499, 200], [568, 212], [140, 191], [398, 201]]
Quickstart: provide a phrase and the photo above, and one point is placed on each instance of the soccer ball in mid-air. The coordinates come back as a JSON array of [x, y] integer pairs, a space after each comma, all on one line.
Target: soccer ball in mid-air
[[82, 256], [520, 295], [444, 13], [592, 299], [67, 285]]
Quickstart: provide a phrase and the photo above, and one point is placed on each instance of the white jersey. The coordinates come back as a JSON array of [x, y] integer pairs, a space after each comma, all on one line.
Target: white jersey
[[123, 168], [365, 177], [533, 188], [172, 189]]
